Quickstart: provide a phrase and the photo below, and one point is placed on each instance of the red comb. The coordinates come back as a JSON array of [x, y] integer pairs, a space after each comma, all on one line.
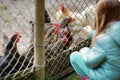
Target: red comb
[[56, 25], [70, 19], [62, 4], [65, 39], [62, 7], [57, 28], [17, 33], [17, 39]]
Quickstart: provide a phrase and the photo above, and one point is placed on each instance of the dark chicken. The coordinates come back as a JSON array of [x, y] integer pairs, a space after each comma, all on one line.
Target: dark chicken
[[12, 61], [51, 35], [66, 31], [57, 47], [60, 30], [53, 30], [47, 18], [66, 21], [63, 38]]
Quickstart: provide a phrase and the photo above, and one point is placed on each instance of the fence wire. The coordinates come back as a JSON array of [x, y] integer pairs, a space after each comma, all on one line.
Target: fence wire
[[63, 34]]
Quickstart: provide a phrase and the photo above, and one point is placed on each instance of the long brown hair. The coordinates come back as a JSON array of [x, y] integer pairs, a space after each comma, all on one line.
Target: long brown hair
[[107, 11]]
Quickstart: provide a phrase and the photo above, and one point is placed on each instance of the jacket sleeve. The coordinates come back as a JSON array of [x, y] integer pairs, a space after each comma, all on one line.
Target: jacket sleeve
[[91, 34], [93, 57]]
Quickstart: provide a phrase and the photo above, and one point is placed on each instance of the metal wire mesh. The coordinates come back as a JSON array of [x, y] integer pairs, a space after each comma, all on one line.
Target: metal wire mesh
[[82, 13], [14, 17], [63, 35]]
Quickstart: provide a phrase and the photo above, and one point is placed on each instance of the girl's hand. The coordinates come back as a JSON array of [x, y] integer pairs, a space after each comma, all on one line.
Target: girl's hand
[[88, 29]]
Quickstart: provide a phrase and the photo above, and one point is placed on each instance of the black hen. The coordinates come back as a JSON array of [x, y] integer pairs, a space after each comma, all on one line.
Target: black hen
[[12, 61], [47, 18], [66, 31]]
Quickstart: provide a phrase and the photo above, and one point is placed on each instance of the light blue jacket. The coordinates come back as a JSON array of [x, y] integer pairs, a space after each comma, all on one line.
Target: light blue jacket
[[103, 58]]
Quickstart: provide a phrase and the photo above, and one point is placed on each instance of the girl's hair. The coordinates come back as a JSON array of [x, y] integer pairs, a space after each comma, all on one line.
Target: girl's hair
[[107, 11]]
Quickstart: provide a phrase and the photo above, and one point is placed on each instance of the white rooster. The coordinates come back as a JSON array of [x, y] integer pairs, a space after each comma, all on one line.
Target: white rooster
[[86, 17], [63, 12]]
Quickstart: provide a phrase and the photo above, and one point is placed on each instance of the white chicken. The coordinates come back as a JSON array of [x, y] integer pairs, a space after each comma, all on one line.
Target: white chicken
[[86, 17], [63, 12]]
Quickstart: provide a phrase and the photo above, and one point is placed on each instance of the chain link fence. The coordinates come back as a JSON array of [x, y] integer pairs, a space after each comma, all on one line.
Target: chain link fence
[[15, 16], [63, 35]]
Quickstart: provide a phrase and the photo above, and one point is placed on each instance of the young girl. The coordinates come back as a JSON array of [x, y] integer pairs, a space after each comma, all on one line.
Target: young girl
[[102, 60]]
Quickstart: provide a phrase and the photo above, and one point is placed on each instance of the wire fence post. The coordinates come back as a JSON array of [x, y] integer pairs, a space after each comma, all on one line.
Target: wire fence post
[[39, 39]]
